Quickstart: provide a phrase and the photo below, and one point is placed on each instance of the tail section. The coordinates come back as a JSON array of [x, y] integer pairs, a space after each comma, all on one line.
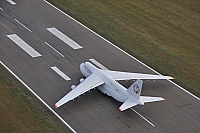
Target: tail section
[[135, 99], [135, 89]]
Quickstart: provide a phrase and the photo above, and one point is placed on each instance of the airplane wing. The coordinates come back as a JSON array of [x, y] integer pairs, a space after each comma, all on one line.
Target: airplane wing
[[127, 104], [128, 76], [89, 83], [147, 99]]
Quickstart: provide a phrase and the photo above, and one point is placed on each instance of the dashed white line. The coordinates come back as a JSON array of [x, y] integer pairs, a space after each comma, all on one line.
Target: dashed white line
[[98, 64], [54, 49], [23, 25], [120, 49], [23, 45], [38, 97], [64, 38], [143, 117], [59, 72], [11, 2]]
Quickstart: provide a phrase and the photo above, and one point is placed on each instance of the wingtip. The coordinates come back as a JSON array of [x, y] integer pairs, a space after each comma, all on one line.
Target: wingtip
[[56, 106], [120, 110], [163, 98], [172, 78]]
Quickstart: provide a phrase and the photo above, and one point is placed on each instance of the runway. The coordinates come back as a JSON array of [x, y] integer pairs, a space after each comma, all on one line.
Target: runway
[[48, 62]]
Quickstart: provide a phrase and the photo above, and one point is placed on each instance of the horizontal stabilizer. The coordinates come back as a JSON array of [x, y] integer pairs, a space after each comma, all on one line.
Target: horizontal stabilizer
[[127, 104], [146, 99]]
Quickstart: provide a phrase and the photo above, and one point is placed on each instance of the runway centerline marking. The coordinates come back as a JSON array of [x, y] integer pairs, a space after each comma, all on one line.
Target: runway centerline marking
[[23, 25], [37, 96], [11, 2], [143, 117], [64, 38], [23, 45], [59, 72], [54, 49], [98, 64]]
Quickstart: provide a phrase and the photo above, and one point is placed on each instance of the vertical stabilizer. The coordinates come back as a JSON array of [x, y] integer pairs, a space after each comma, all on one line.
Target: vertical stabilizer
[[135, 89]]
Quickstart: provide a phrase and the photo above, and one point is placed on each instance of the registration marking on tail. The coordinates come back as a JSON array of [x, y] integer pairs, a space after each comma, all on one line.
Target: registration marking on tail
[[64, 38], [23, 45], [59, 72]]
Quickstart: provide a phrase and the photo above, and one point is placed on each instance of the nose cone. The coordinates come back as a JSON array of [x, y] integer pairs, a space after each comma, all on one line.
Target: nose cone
[[87, 64], [81, 65]]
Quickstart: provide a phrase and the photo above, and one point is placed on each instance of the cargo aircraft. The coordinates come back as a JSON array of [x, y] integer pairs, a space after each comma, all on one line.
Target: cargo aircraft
[[106, 82]]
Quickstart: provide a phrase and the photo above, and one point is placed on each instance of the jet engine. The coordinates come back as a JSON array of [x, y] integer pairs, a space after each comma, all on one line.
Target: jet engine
[[73, 87], [81, 80]]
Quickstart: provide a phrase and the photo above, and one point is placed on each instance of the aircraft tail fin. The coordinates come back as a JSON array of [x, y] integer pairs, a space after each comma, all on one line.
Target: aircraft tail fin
[[135, 99], [135, 89]]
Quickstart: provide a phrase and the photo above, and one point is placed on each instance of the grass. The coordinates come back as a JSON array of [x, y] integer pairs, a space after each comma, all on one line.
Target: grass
[[164, 34], [21, 111]]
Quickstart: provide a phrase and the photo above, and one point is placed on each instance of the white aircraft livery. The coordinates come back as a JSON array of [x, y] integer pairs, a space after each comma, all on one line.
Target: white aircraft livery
[[106, 82]]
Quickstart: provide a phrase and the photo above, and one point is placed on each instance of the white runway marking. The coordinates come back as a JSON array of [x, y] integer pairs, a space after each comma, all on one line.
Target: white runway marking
[[64, 38], [11, 2], [98, 64], [37, 96], [143, 117], [1, 8], [60, 73], [23, 25], [23, 45], [54, 49]]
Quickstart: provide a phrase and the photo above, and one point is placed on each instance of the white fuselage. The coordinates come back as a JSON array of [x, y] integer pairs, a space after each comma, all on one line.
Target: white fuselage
[[110, 86]]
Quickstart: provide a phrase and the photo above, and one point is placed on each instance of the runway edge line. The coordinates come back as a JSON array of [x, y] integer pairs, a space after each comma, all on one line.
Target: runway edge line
[[122, 50], [38, 97]]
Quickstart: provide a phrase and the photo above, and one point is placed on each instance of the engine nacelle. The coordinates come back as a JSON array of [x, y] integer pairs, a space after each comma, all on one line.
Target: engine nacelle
[[73, 87], [81, 80]]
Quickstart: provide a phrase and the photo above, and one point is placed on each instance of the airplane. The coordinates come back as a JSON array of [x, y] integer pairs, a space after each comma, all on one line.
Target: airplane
[[106, 82]]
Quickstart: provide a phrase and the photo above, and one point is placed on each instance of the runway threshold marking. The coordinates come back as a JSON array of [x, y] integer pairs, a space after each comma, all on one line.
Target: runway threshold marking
[[98, 64], [59, 72], [23, 45], [38, 97], [11, 2], [64, 38], [120, 49], [54, 49], [143, 117], [23, 25]]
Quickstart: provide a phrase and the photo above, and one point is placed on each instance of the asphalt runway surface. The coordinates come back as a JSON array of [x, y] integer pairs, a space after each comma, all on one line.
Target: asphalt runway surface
[[28, 22]]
